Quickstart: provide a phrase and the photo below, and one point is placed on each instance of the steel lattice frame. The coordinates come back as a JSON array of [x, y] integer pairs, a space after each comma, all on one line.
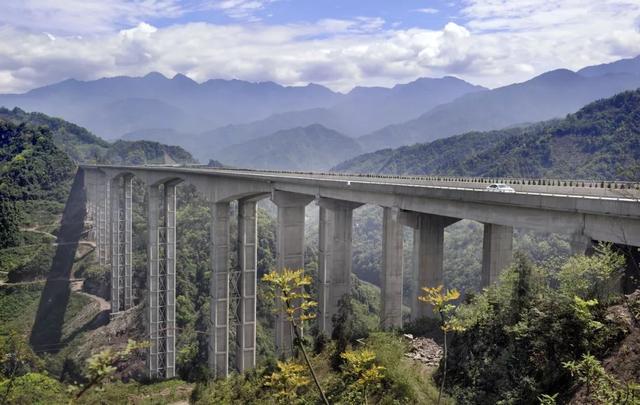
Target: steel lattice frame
[[121, 237], [162, 280]]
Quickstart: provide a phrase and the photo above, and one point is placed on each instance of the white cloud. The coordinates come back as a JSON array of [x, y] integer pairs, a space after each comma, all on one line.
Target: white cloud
[[241, 9], [87, 16], [427, 10], [499, 42]]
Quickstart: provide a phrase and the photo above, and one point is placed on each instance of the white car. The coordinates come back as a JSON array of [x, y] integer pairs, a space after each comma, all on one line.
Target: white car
[[500, 188]]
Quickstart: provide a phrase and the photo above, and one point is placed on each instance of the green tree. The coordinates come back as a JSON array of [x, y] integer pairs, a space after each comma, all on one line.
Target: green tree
[[287, 286], [361, 372], [104, 364], [441, 302], [9, 224], [600, 386], [343, 325], [287, 382], [16, 360]]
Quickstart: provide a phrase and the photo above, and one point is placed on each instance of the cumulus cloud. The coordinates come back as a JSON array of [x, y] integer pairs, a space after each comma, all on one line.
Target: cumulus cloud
[[496, 43]]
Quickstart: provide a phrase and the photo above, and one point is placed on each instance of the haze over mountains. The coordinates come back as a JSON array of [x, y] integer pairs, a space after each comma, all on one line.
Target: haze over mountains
[[601, 140], [218, 118]]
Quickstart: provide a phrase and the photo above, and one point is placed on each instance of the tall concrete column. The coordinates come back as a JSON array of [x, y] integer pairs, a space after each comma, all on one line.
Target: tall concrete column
[[162, 280], [497, 252], [248, 264], [116, 229], [334, 258], [290, 252], [121, 238], [103, 235], [580, 244], [391, 295], [428, 259], [219, 289]]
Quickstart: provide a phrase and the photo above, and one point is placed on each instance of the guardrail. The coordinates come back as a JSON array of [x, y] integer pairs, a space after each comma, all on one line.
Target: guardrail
[[599, 184]]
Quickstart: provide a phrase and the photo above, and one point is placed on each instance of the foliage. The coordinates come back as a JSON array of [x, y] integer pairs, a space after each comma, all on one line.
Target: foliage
[[31, 166], [601, 387], [593, 276], [34, 388], [287, 382], [440, 300], [519, 333], [9, 224], [287, 287], [343, 328], [16, 360], [102, 365], [361, 372]]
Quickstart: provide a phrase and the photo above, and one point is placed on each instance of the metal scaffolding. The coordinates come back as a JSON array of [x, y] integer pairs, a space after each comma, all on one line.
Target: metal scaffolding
[[121, 237], [162, 280]]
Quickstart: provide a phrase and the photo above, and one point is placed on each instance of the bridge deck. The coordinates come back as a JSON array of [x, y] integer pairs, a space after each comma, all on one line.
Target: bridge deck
[[589, 189]]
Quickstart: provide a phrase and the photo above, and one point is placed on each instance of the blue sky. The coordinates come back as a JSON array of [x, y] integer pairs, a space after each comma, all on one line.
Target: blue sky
[[396, 13], [336, 43]]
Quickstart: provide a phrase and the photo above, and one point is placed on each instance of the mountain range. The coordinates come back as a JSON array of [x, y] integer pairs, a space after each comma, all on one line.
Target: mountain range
[[233, 120], [601, 141]]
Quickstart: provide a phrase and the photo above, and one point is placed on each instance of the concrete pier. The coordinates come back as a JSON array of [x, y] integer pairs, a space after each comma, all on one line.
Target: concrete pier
[[599, 211], [334, 258], [162, 280], [219, 289], [121, 239], [248, 263], [497, 252], [391, 294], [290, 253], [428, 259]]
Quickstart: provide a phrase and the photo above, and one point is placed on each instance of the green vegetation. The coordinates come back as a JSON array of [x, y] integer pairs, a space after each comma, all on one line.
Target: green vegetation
[[516, 336], [390, 378]]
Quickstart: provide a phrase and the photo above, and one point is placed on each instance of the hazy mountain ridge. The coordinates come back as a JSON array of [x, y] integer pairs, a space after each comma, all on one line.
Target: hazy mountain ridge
[[181, 111], [207, 105], [304, 148], [550, 95], [601, 140], [83, 146]]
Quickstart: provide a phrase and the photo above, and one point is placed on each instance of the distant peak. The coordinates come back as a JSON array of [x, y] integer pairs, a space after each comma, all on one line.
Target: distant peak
[[179, 77], [154, 75], [557, 74]]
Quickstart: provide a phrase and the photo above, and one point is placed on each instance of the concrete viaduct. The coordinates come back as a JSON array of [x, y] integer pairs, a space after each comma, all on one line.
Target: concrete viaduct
[[584, 210]]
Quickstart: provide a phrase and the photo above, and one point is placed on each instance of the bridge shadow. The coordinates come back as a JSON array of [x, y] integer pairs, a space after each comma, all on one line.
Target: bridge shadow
[[46, 333]]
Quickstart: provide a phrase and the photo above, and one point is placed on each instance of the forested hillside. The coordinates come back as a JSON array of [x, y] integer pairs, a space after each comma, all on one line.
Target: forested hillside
[[83, 146], [600, 141]]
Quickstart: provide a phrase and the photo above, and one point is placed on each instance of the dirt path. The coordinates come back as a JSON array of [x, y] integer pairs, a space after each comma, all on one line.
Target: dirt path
[[76, 286], [36, 230]]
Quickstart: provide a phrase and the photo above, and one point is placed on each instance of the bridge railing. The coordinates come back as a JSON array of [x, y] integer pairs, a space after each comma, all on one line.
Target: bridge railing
[[570, 186]]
